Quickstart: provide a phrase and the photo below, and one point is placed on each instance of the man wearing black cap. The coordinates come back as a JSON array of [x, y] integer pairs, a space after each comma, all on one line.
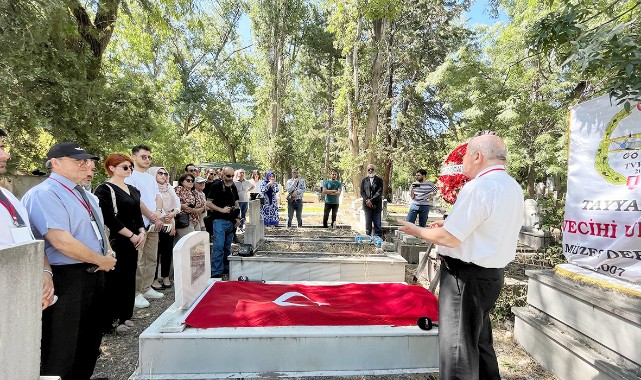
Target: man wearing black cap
[[76, 246]]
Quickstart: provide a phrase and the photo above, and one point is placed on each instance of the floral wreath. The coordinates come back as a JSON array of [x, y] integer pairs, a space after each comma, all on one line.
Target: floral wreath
[[452, 178]]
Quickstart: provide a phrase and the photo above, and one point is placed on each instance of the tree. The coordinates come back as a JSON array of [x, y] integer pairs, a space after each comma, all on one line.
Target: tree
[[598, 39]]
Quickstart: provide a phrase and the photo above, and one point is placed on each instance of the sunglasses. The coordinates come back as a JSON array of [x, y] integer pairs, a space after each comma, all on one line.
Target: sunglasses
[[191, 170], [229, 175], [370, 170], [126, 167], [163, 173], [189, 180]]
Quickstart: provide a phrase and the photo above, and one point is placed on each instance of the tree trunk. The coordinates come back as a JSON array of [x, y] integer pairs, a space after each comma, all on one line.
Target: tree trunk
[[371, 124], [531, 181], [352, 110]]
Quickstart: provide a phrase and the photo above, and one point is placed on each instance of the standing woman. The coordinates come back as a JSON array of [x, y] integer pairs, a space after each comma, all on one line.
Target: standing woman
[[256, 181], [269, 190], [127, 233], [170, 208], [191, 204]]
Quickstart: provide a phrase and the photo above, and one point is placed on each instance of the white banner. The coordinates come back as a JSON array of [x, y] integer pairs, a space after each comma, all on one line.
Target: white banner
[[602, 226]]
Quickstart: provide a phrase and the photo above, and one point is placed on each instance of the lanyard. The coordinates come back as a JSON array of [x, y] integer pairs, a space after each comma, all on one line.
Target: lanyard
[[493, 170], [12, 212], [87, 207]]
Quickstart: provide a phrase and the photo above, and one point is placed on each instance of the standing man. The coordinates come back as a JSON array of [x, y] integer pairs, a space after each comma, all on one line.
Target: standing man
[[295, 189], [224, 206], [372, 194], [477, 241], [190, 169], [209, 218], [76, 246], [15, 227], [420, 193], [332, 190], [244, 187], [152, 213]]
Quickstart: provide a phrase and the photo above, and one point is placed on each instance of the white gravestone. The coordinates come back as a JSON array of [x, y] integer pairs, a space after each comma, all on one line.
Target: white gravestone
[[192, 267]]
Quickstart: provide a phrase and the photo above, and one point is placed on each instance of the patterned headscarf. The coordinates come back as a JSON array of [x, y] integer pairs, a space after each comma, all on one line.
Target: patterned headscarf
[[270, 191]]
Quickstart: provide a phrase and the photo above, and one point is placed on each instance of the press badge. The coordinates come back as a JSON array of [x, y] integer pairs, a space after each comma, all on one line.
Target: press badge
[[21, 234], [96, 230]]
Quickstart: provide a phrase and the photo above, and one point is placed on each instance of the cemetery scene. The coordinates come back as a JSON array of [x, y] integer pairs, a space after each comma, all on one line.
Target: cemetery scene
[[333, 189]]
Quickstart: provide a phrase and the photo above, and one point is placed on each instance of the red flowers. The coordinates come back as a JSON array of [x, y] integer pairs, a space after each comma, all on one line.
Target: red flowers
[[452, 178]]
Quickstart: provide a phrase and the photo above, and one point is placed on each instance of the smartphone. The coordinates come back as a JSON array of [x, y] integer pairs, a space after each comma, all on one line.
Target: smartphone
[[416, 185]]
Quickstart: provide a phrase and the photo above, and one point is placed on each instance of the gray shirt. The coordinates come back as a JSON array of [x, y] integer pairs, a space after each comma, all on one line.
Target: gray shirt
[[51, 205]]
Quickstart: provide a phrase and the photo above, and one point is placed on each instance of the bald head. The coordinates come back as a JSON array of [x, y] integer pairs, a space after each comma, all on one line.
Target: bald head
[[483, 151]]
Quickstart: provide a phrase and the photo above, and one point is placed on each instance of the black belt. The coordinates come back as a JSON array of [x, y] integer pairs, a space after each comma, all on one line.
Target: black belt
[[459, 267]]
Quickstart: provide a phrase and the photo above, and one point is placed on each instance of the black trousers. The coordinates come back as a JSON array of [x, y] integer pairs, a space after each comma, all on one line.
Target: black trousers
[[71, 332], [120, 284], [333, 207], [165, 253], [373, 218], [468, 293]]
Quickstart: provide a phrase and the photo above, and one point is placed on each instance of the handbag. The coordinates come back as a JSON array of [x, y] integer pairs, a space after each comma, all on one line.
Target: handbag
[[182, 220]]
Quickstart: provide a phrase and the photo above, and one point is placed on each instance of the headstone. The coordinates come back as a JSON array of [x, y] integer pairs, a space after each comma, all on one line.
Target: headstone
[[531, 219], [255, 227], [20, 319], [531, 233], [192, 267]]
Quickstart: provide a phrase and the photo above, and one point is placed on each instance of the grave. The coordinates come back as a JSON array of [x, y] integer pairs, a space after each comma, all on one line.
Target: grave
[[171, 350], [531, 233], [254, 227], [20, 319], [578, 330], [409, 247], [298, 260]]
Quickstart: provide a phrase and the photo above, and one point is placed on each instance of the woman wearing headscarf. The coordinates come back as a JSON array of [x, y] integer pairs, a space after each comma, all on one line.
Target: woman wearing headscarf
[[170, 208], [190, 203], [269, 190], [120, 205]]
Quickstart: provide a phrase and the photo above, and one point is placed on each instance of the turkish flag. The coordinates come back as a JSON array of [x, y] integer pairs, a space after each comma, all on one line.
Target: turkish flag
[[253, 304]]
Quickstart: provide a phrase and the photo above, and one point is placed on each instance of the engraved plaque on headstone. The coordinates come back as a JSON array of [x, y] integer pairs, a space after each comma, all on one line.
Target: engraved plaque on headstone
[[192, 267]]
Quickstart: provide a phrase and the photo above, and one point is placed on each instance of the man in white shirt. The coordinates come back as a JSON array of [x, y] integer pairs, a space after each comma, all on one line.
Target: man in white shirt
[[244, 187], [151, 207], [477, 241], [15, 227]]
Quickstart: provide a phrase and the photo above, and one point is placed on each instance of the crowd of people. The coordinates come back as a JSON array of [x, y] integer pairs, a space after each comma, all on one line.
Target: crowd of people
[[109, 252]]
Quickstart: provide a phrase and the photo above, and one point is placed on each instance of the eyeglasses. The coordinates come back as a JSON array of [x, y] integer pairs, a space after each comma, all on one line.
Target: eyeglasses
[[126, 167], [229, 175], [145, 157], [162, 173], [78, 162], [189, 180]]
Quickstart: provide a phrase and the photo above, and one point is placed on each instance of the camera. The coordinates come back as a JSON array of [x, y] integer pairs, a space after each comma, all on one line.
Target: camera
[[416, 185]]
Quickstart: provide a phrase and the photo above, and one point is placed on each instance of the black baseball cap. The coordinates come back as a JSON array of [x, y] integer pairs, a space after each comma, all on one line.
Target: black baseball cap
[[69, 149]]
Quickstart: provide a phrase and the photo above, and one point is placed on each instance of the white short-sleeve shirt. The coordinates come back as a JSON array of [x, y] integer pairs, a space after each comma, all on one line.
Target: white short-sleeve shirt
[[486, 218], [148, 187], [6, 221]]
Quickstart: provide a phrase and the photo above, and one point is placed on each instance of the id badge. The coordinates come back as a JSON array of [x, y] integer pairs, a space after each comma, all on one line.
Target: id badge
[[21, 234], [96, 230]]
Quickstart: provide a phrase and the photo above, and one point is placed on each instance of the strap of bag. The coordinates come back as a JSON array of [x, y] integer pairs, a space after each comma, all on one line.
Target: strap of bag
[[113, 198]]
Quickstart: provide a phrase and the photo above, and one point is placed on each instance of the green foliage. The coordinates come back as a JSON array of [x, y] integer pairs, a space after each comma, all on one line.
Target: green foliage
[[600, 40]]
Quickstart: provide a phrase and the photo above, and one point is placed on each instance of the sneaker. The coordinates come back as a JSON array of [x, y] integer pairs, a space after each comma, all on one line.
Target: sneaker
[[122, 329], [141, 302], [154, 295], [128, 323]]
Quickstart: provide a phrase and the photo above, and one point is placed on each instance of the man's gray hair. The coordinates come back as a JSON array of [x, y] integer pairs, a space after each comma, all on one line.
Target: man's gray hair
[[492, 147]]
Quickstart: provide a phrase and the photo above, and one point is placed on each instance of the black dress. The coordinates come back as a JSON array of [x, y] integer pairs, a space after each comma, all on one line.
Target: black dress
[[120, 283]]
